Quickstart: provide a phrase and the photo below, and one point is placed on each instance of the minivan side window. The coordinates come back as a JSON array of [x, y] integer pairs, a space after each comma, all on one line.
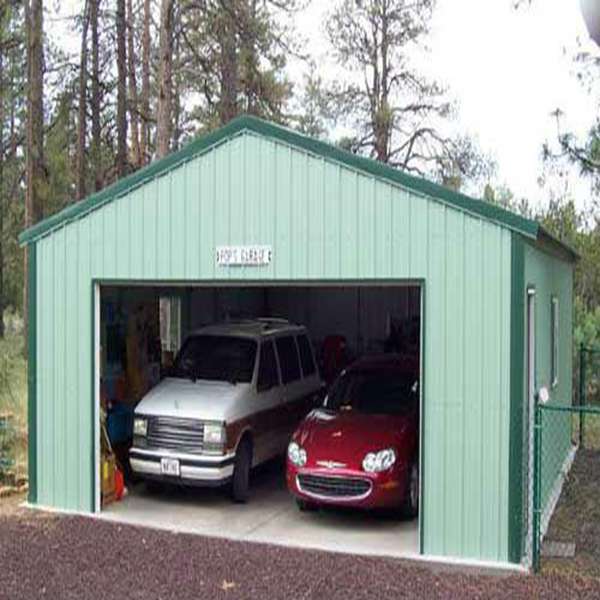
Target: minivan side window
[[268, 377], [288, 359], [306, 356]]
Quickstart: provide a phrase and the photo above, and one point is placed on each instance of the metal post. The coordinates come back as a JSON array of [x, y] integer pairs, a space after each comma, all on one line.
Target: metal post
[[582, 386], [537, 484]]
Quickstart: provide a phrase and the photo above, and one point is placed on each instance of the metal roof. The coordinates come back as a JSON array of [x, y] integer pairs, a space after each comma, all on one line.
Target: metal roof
[[246, 123]]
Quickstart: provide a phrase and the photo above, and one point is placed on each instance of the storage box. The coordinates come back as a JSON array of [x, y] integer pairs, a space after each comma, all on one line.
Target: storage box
[[107, 475]]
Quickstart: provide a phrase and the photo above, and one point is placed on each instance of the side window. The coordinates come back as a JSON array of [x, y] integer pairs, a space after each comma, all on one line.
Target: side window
[[554, 320], [267, 370], [288, 359], [306, 356]]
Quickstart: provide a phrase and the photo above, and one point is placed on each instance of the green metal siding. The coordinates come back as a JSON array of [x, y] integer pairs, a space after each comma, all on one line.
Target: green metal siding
[[552, 277], [325, 222]]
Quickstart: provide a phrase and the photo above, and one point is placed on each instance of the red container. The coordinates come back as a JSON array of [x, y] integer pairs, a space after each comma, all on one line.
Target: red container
[[119, 484]]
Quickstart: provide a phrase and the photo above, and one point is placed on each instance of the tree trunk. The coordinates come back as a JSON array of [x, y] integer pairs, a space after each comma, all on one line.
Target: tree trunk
[[2, 204], [95, 152], [176, 107], [133, 94], [145, 103], [164, 118], [82, 117], [121, 90], [34, 164], [250, 67], [35, 113], [228, 69]]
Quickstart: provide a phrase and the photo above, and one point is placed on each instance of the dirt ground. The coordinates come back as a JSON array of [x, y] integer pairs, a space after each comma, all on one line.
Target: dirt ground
[[50, 556], [577, 518]]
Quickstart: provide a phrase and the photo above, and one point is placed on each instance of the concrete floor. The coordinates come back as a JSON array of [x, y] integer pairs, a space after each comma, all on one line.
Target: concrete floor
[[270, 516]]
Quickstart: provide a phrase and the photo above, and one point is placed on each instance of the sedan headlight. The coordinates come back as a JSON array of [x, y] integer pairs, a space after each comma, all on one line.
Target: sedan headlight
[[375, 462], [214, 433], [140, 426], [296, 454]]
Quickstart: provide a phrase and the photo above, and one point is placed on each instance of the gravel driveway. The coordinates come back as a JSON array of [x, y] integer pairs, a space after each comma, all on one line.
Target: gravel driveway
[[49, 556]]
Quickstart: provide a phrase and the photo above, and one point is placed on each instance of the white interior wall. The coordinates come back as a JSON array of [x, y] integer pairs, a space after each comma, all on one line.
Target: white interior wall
[[361, 314]]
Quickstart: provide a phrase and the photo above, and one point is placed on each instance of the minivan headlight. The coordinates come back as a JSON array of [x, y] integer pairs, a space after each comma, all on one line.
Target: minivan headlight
[[376, 462], [214, 433], [140, 426]]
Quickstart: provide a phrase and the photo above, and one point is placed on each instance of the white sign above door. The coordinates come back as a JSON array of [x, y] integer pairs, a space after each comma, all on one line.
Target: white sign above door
[[244, 256]]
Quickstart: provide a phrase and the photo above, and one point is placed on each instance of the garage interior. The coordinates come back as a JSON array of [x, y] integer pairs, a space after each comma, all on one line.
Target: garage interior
[[141, 328]]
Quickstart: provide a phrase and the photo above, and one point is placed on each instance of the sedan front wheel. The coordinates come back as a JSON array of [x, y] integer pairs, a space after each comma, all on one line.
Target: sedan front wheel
[[411, 502], [306, 506]]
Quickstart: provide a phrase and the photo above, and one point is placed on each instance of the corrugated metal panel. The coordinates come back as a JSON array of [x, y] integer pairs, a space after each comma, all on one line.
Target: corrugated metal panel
[[277, 133], [325, 222], [552, 277]]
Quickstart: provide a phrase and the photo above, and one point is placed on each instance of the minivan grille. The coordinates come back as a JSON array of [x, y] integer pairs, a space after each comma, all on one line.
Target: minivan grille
[[334, 487], [185, 435]]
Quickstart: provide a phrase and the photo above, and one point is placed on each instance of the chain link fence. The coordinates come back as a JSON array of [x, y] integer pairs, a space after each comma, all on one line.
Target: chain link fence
[[560, 434]]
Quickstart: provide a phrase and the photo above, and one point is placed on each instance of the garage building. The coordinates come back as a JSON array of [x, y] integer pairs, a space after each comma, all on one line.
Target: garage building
[[338, 234]]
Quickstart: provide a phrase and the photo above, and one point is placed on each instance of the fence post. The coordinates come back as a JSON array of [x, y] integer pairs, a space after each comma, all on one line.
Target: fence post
[[537, 484], [582, 387]]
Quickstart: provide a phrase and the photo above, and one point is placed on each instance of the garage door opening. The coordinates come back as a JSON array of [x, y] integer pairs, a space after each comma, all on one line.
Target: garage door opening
[[357, 329]]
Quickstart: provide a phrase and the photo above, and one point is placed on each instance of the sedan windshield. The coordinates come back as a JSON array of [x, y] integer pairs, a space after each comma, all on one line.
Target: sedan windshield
[[217, 358], [373, 393]]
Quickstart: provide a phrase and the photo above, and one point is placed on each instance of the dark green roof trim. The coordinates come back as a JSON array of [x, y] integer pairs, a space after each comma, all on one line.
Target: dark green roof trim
[[483, 209], [546, 241]]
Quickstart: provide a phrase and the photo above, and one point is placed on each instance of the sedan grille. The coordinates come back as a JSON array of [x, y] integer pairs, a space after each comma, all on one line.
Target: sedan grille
[[334, 487], [184, 435]]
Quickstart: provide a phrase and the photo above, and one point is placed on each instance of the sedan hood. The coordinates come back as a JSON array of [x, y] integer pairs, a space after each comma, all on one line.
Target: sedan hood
[[206, 400], [348, 436]]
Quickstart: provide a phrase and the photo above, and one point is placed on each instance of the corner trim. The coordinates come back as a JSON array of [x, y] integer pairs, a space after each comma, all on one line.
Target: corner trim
[[517, 391], [32, 372]]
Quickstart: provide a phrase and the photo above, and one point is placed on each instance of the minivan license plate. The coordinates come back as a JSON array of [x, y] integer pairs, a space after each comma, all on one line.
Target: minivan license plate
[[169, 466]]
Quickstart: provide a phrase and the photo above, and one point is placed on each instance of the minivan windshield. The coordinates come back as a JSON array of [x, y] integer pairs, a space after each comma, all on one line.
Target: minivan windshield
[[217, 358], [373, 393]]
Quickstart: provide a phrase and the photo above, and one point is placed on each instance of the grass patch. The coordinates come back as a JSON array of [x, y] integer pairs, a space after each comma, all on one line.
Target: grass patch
[[13, 400], [591, 431]]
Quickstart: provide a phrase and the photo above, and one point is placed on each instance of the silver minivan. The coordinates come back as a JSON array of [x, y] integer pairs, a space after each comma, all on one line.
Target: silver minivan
[[233, 398]]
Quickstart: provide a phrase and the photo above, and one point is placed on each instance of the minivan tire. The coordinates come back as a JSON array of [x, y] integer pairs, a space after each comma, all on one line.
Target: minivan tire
[[240, 482]]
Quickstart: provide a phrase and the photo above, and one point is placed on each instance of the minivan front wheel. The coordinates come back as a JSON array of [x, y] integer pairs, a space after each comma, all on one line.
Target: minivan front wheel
[[241, 472]]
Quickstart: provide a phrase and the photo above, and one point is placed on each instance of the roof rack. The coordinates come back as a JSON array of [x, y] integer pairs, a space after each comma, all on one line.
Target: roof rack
[[274, 320]]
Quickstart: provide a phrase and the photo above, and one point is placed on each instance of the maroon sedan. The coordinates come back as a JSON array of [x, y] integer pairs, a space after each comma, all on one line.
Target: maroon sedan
[[360, 448]]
